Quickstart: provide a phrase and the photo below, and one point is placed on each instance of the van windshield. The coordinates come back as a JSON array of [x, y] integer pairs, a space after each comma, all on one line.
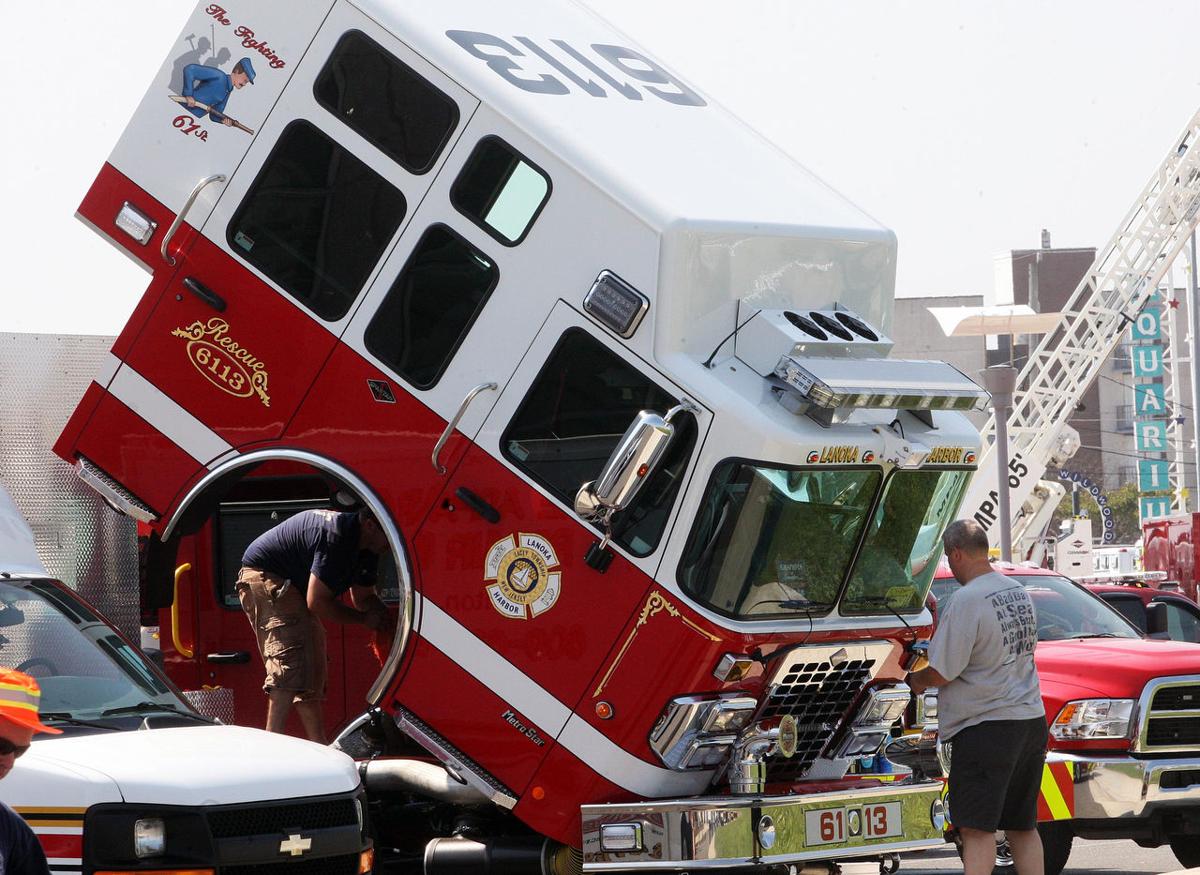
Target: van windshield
[[84, 668], [771, 542]]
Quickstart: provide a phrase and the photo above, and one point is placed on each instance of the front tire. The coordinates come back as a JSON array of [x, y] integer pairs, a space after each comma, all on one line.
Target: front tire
[[1186, 850], [1056, 845]]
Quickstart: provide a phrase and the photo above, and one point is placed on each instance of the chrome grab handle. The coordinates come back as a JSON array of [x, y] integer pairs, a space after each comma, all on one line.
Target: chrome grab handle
[[187, 205], [453, 424]]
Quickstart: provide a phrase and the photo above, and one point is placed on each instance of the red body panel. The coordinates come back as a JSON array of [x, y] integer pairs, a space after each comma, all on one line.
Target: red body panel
[[562, 648], [242, 371], [146, 462]]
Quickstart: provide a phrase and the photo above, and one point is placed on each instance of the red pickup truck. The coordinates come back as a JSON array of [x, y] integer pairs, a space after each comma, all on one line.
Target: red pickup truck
[[1124, 713]]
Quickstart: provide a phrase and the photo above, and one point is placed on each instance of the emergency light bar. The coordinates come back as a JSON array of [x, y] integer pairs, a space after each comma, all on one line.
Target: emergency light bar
[[893, 384]]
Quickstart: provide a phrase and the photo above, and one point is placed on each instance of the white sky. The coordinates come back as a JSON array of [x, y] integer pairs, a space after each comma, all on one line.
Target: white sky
[[965, 126]]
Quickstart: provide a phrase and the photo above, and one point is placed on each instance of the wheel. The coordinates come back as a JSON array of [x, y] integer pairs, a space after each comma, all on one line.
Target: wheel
[[28, 665], [1186, 850], [1004, 861], [1056, 845]]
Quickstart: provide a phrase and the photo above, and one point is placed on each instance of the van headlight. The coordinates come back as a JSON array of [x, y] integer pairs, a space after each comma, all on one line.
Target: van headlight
[[149, 837], [1093, 718]]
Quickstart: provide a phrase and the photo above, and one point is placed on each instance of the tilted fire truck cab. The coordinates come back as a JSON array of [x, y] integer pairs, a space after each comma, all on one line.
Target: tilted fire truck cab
[[610, 369]]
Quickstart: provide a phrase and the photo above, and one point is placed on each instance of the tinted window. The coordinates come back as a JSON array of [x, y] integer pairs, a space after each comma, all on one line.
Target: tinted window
[[569, 423], [316, 220], [1129, 607], [500, 191], [386, 102], [1183, 624], [430, 307]]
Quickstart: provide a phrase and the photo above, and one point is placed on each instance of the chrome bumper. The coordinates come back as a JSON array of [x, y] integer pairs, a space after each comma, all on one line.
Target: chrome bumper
[[1125, 787], [728, 831]]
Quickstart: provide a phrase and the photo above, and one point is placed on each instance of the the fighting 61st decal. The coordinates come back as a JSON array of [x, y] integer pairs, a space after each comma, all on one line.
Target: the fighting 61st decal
[[525, 586]]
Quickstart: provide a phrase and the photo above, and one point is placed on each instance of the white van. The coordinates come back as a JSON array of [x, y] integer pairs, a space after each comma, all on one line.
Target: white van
[[138, 779]]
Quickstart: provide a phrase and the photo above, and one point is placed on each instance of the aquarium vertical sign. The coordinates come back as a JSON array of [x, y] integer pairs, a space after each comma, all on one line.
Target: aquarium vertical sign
[[1150, 412]]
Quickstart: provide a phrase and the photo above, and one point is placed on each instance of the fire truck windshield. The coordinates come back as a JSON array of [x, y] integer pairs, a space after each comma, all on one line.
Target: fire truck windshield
[[904, 542], [84, 668], [771, 542]]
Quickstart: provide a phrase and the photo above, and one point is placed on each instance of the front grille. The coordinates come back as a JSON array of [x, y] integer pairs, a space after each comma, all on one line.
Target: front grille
[[1170, 715], [304, 816], [1185, 698], [817, 686], [1173, 731], [343, 865]]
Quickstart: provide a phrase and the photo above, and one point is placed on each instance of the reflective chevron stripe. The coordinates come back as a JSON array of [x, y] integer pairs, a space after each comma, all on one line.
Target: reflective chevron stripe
[[1056, 800]]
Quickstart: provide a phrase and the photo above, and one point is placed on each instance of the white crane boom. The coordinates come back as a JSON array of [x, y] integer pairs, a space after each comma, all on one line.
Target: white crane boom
[[1118, 284]]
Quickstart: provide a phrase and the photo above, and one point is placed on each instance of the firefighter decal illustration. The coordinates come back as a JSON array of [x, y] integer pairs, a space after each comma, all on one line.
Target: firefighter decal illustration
[[200, 82], [525, 584], [223, 361]]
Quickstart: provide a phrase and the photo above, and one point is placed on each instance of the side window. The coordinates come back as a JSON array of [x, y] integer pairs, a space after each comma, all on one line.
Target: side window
[[500, 191], [1129, 607], [1182, 624], [431, 305], [316, 220], [386, 102], [570, 421]]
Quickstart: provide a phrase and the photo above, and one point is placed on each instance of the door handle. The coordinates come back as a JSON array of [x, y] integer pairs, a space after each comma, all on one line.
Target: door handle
[[453, 424], [477, 504], [205, 294], [187, 205], [236, 657]]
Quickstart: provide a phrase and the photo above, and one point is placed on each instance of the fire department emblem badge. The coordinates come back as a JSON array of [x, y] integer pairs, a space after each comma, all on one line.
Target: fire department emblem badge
[[525, 584]]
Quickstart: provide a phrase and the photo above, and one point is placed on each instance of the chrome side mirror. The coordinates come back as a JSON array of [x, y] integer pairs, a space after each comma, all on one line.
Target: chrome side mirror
[[636, 457]]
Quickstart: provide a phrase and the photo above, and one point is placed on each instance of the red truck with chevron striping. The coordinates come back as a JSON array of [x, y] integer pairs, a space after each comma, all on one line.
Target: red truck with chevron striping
[[1124, 713]]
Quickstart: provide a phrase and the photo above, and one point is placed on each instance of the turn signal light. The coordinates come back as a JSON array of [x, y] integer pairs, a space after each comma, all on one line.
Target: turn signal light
[[366, 861]]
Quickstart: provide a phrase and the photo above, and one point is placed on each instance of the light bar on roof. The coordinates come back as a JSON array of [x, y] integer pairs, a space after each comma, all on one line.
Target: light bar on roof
[[894, 384]]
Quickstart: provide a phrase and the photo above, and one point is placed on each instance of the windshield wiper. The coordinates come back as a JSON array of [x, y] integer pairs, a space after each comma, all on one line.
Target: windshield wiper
[[151, 707], [1091, 635], [65, 717]]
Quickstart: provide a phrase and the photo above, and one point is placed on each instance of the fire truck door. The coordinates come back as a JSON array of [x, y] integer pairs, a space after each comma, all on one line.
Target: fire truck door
[[501, 559]]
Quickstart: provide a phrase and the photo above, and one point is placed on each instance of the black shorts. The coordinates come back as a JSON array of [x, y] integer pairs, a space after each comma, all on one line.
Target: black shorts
[[996, 773]]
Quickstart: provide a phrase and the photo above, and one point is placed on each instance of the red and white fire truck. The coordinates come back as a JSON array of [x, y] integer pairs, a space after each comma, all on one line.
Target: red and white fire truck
[[612, 372]]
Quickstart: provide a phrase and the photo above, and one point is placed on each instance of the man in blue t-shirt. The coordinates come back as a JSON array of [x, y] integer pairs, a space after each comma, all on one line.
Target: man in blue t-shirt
[[212, 87], [292, 577]]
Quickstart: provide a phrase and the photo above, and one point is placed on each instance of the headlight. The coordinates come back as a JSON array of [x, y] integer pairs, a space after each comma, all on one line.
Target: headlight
[[149, 837], [695, 732], [1093, 718]]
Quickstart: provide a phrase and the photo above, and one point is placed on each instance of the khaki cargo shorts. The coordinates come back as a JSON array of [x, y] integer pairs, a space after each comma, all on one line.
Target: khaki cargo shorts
[[290, 639]]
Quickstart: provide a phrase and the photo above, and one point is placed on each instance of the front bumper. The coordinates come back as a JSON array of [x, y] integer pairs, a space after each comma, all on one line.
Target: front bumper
[[1107, 787], [732, 831]]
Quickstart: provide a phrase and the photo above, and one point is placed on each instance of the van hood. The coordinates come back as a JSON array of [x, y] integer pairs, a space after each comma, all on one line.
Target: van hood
[[1114, 667], [201, 765]]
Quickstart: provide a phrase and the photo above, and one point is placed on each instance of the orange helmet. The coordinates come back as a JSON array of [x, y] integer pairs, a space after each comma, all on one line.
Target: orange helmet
[[19, 696]]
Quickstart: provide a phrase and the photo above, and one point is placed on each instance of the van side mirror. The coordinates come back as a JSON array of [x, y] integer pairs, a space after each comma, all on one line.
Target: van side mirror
[[1156, 620], [636, 457]]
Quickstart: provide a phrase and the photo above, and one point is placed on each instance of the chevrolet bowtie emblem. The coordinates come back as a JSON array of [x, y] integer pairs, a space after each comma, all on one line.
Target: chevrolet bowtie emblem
[[295, 845]]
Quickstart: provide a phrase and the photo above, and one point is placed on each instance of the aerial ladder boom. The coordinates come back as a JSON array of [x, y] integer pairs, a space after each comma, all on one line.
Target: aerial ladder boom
[[1116, 287]]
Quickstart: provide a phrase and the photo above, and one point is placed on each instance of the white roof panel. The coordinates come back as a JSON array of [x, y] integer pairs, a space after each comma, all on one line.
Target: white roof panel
[[656, 144]]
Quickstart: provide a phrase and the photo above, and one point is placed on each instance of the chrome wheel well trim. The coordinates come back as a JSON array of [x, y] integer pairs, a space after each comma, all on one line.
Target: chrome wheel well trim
[[404, 624]]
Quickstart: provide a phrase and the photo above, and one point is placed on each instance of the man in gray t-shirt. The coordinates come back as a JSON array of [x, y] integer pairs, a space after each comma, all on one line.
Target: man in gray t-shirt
[[989, 705]]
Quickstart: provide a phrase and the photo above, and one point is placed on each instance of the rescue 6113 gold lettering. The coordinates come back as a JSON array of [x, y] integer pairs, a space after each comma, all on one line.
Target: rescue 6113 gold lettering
[[223, 361]]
